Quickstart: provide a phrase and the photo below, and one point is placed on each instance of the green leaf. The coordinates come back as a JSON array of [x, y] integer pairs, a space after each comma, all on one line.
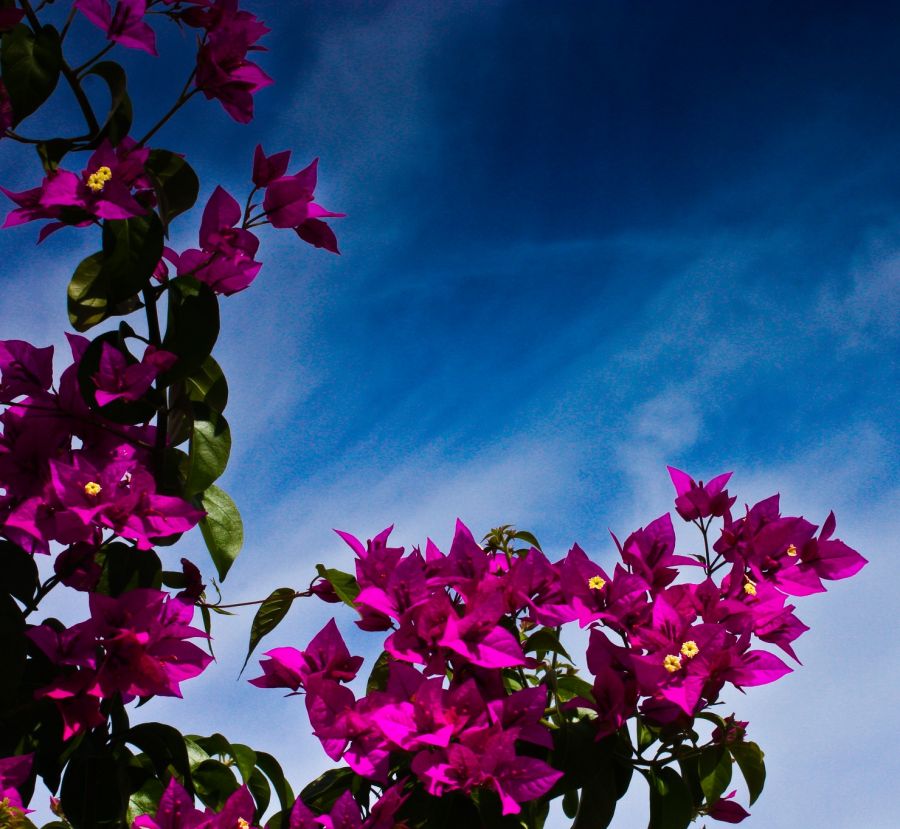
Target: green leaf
[[132, 249], [269, 615], [175, 181], [145, 801], [108, 282], [327, 788], [544, 640], [245, 759], [207, 385], [87, 295], [222, 529], [261, 791], [670, 800], [272, 769], [572, 686], [127, 568], [527, 537], [378, 677], [30, 63], [20, 573], [94, 788], [570, 803], [344, 584], [163, 745], [715, 772], [193, 325], [118, 119], [597, 805], [750, 759], [209, 450], [214, 783]]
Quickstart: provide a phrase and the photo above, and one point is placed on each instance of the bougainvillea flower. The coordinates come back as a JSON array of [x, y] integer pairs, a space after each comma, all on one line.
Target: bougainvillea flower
[[267, 168], [24, 369], [486, 758], [119, 378], [325, 657], [125, 26], [696, 500], [14, 773], [133, 644], [223, 71], [650, 553], [727, 810], [176, 810], [120, 495], [289, 203], [225, 258]]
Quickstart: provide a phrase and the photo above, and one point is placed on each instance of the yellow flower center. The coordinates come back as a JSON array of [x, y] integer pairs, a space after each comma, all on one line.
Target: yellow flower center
[[596, 582], [792, 551], [97, 180], [690, 649], [242, 824], [672, 663], [750, 587], [92, 488]]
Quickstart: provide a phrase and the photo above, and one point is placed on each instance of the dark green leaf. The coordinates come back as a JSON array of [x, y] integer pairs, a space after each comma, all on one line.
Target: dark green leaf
[[126, 568], [544, 640], [715, 772], [344, 584], [118, 119], [207, 385], [670, 800], [18, 572], [261, 791], [597, 805], [214, 783], [145, 801], [272, 769], [163, 745], [527, 537], [750, 758], [570, 803], [245, 758], [269, 615], [175, 181], [571, 686], [132, 249], [378, 677], [30, 63], [193, 325], [209, 451], [222, 529], [327, 788], [87, 294], [94, 793]]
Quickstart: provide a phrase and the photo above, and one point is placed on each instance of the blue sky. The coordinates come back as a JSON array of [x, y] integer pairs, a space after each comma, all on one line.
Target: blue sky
[[583, 241]]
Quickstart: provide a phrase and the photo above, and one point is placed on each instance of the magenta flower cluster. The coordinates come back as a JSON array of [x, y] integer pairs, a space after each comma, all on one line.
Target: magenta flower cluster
[[660, 647]]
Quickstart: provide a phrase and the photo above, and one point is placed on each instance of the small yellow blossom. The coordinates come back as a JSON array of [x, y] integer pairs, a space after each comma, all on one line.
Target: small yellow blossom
[[92, 488], [750, 587], [596, 582], [792, 551], [690, 649], [97, 180], [672, 663]]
